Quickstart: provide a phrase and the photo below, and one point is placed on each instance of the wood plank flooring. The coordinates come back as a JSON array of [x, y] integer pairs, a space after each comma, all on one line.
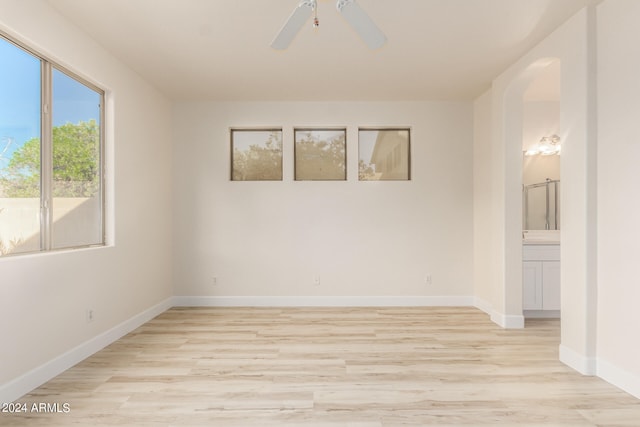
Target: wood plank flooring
[[364, 367]]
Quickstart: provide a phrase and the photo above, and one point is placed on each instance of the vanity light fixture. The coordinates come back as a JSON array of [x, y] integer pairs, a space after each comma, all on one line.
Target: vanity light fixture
[[548, 146]]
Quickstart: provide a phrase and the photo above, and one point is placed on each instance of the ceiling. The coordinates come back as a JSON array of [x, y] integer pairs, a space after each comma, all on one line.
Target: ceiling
[[219, 49]]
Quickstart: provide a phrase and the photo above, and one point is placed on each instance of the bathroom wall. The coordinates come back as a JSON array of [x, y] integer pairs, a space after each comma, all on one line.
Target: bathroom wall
[[541, 118]]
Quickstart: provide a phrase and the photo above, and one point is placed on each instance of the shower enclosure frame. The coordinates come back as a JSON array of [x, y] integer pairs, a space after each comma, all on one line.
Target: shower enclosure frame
[[546, 184]]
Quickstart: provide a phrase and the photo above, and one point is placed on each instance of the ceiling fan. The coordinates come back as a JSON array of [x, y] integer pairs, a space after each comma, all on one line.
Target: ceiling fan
[[349, 9]]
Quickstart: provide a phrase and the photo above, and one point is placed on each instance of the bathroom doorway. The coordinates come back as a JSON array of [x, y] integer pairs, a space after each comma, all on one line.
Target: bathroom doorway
[[541, 187]]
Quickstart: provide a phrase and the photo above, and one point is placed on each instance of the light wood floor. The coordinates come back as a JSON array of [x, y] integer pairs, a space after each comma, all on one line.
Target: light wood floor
[[330, 367]]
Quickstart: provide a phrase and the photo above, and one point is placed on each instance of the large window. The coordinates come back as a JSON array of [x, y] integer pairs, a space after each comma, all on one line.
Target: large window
[[51, 163]]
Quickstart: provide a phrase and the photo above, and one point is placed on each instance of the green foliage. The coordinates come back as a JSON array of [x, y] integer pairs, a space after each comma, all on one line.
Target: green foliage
[[259, 162], [366, 171], [21, 178], [321, 159], [76, 167]]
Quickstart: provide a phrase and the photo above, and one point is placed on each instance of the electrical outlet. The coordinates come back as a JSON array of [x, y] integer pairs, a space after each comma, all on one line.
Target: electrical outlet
[[90, 314], [427, 279], [316, 280]]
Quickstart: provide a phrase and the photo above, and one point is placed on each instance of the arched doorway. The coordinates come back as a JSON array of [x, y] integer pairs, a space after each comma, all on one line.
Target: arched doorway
[[573, 46], [541, 195], [513, 131]]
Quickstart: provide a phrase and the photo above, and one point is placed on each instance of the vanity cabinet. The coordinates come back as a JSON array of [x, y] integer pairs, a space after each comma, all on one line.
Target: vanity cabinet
[[541, 279]]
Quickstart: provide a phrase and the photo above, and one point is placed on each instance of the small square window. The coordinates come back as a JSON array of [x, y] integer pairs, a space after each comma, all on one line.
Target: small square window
[[383, 155], [256, 154], [320, 154]]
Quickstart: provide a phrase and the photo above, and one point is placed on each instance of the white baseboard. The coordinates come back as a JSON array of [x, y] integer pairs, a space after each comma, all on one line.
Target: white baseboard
[[577, 361], [542, 314], [322, 301], [481, 304], [27, 382], [502, 320], [508, 321], [620, 378]]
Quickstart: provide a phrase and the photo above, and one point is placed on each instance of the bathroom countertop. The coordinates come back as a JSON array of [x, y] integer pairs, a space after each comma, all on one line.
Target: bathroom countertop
[[540, 242], [541, 237]]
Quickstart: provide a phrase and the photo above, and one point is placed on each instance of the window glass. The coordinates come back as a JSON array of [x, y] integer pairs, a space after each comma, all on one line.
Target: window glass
[[256, 155], [320, 154], [76, 189], [50, 155], [19, 150], [383, 154]]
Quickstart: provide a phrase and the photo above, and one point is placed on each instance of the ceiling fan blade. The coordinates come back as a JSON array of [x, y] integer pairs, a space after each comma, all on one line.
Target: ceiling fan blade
[[360, 21], [300, 15]]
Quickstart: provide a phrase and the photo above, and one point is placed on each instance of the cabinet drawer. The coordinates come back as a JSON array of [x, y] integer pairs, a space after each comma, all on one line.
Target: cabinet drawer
[[541, 252]]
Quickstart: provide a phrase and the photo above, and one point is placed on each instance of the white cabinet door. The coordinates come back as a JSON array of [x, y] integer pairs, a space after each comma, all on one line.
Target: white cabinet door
[[532, 285], [551, 285]]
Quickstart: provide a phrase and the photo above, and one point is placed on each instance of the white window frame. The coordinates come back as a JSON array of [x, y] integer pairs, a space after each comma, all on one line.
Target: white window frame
[[46, 151]]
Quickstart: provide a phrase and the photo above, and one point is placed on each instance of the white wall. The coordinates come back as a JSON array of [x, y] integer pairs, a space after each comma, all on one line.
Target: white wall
[[43, 297], [536, 169], [599, 329], [540, 118], [364, 239], [485, 244], [618, 201], [570, 44]]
